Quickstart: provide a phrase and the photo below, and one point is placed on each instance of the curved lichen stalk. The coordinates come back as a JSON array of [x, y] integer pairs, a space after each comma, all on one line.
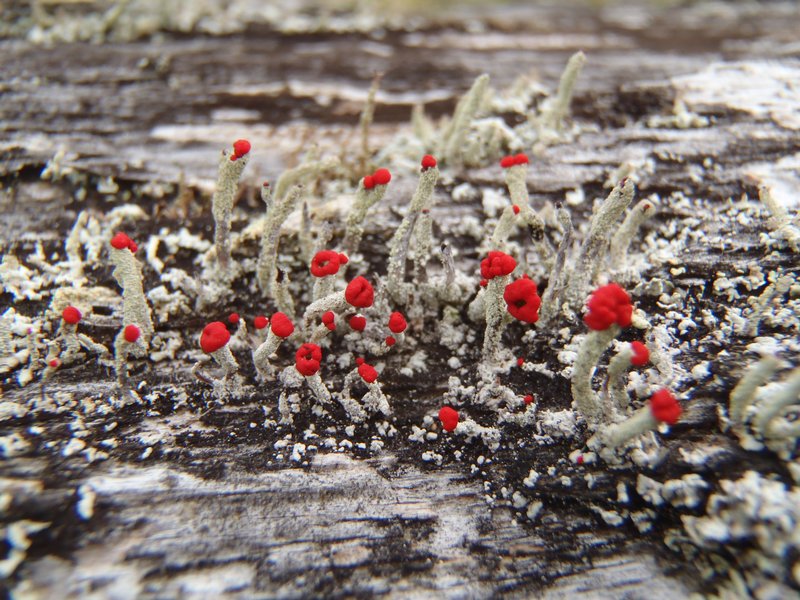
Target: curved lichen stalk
[[231, 167], [557, 108], [128, 273], [302, 174], [455, 138], [630, 226], [278, 209], [365, 199], [594, 248], [552, 297], [421, 201]]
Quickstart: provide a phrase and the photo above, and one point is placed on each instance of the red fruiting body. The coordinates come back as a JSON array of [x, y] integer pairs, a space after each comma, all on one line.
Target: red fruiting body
[[520, 361], [343, 260], [307, 359], [328, 320], [121, 241], [522, 300], [260, 322], [241, 147], [528, 399], [449, 418], [664, 407], [390, 341], [233, 318], [359, 361], [515, 208], [54, 363], [507, 161], [428, 162], [641, 355], [359, 293], [131, 333], [521, 159], [483, 283], [282, 325], [369, 182], [71, 315], [579, 460], [367, 372], [381, 176], [326, 262], [608, 305], [497, 264], [215, 335], [357, 322], [397, 322]]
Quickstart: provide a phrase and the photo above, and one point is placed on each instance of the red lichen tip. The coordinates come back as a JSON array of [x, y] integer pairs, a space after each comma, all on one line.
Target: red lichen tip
[[131, 333], [520, 361], [343, 260], [522, 300], [260, 322], [428, 162], [326, 262], [233, 318], [71, 315], [381, 176], [449, 418], [497, 264], [120, 241], [641, 355], [507, 161], [54, 363], [397, 322], [307, 359], [390, 341], [281, 325], [215, 335], [328, 320], [367, 372], [359, 293], [483, 283], [515, 208], [528, 399], [357, 322], [240, 148], [664, 407], [359, 361], [368, 181], [608, 304], [521, 159]]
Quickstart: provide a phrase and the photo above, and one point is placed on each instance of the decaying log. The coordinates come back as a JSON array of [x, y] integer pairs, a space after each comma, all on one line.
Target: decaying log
[[174, 498]]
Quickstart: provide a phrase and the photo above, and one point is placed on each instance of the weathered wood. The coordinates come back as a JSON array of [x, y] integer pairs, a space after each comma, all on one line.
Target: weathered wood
[[192, 502]]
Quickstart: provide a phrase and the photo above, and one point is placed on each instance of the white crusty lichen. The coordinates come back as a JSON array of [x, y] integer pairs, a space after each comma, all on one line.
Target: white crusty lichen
[[231, 167], [782, 225], [759, 517]]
